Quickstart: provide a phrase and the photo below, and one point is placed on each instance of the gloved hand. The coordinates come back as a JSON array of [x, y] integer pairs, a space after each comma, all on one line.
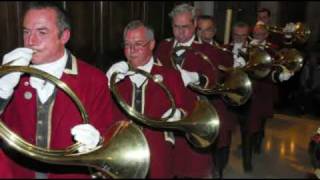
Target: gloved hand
[[285, 74], [289, 29], [238, 61], [189, 77], [121, 67], [87, 135], [318, 130], [17, 57], [255, 42], [169, 136]]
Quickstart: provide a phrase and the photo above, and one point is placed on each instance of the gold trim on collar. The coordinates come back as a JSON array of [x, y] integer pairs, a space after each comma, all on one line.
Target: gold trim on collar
[[74, 67]]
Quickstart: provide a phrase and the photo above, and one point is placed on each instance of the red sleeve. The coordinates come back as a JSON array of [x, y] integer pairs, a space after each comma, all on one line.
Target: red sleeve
[[100, 107]]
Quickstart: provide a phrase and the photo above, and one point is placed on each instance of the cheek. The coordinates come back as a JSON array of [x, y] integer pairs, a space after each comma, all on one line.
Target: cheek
[[175, 32], [207, 34], [189, 32], [126, 52]]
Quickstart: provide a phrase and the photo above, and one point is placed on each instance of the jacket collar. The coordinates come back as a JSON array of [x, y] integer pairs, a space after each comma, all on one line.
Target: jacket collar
[[71, 66]]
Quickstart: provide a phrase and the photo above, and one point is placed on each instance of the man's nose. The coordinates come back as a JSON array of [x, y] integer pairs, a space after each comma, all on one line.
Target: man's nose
[[32, 39]]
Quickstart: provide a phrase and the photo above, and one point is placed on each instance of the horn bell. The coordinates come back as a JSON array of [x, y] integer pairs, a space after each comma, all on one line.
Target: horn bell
[[124, 153]]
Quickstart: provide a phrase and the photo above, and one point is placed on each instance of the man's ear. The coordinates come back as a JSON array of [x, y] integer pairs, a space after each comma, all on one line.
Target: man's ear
[[65, 36], [195, 21], [152, 44]]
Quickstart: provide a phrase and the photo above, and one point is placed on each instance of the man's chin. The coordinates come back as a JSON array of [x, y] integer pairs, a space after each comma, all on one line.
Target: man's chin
[[183, 40]]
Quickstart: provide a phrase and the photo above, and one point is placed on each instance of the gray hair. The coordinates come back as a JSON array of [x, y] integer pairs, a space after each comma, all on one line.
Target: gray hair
[[183, 8], [135, 24], [63, 21]]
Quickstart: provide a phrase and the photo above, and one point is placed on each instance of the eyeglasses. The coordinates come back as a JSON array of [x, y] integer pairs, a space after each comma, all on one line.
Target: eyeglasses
[[240, 35], [210, 30], [182, 27], [137, 45]]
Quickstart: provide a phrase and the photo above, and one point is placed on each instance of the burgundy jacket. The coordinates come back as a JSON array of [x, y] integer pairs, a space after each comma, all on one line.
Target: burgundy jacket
[[156, 103], [198, 164], [195, 63], [20, 115], [261, 103]]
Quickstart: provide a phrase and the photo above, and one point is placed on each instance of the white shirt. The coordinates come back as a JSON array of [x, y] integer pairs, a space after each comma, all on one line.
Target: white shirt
[[210, 42], [45, 88], [257, 42], [238, 60], [188, 44], [236, 48], [138, 79]]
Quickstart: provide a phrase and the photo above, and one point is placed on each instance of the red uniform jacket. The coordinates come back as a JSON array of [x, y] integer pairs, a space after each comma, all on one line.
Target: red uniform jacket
[[198, 164], [156, 104], [191, 62], [261, 103], [227, 119], [20, 115]]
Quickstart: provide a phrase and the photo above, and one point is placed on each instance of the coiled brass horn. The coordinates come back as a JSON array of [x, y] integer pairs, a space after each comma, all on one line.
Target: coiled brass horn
[[291, 58], [201, 126], [123, 153], [301, 33], [224, 49], [236, 88], [258, 63]]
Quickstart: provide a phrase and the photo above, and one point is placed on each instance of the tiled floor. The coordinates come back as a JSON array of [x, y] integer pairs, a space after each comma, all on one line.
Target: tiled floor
[[285, 150]]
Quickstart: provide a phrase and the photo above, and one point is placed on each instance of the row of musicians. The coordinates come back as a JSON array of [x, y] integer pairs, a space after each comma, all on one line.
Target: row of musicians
[[171, 155]]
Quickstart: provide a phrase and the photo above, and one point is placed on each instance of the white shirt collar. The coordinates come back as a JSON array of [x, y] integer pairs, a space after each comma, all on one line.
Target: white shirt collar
[[188, 43], [54, 68], [239, 45], [139, 79], [200, 40], [45, 88], [256, 42], [147, 67]]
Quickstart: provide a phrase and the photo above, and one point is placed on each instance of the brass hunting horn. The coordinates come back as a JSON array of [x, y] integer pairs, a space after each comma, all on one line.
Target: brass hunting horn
[[123, 153], [291, 58], [201, 126], [235, 89], [301, 31], [258, 63]]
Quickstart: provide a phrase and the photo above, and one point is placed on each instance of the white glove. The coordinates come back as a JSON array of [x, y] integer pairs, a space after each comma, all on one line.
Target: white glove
[[121, 67], [169, 136], [255, 42], [189, 77], [18, 57], [317, 172], [285, 74], [289, 29], [238, 61], [87, 135]]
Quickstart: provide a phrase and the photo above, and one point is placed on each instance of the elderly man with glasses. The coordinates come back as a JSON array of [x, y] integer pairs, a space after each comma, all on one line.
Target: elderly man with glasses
[[147, 97]]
